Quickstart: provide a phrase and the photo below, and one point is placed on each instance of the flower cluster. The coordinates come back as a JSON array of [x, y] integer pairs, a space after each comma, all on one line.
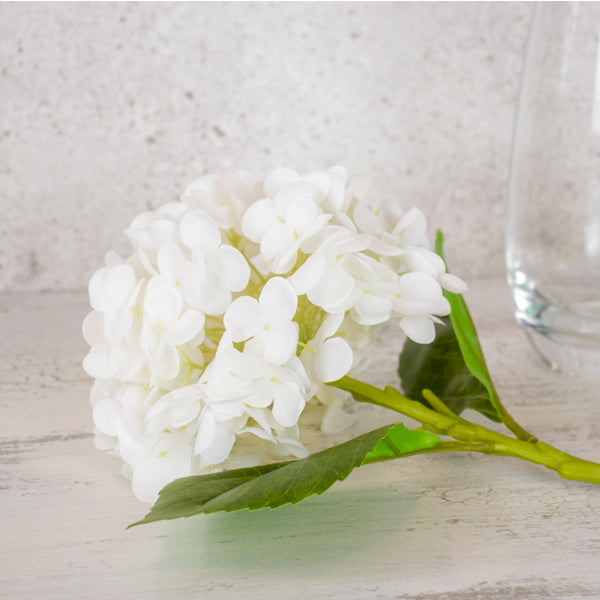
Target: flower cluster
[[237, 306]]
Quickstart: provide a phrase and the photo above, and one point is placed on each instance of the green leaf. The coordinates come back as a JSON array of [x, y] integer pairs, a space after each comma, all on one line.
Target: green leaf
[[452, 366], [274, 485], [399, 441]]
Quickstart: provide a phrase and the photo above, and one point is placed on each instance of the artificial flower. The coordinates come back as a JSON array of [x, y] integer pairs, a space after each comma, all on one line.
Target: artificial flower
[[237, 306]]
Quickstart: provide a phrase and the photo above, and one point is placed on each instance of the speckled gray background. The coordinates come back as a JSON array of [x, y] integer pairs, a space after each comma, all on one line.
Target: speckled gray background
[[109, 109]]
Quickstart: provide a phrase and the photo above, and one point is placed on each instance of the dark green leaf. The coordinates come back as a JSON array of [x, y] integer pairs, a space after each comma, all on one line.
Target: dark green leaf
[[271, 486], [182, 497], [441, 368]]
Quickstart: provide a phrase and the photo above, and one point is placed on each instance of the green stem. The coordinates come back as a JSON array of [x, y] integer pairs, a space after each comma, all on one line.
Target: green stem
[[508, 420], [484, 447], [470, 436]]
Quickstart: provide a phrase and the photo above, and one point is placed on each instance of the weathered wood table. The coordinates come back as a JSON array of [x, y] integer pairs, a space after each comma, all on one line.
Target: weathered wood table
[[449, 527]]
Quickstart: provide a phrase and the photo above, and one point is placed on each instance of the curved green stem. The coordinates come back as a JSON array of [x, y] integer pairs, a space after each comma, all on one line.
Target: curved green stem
[[508, 420], [470, 436]]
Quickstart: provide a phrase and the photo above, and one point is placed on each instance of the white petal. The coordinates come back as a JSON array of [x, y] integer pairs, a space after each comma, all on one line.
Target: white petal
[[333, 291], [258, 219], [260, 394], [343, 220], [368, 218], [133, 445], [166, 363], [211, 194], [186, 328], [184, 414], [371, 310], [312, 230], [287, 447], [301, 213], [411, 228], [281, 342], [169, 259], [93, 328], [112, 259], [242, 318], [162, 303], [322, 182], [249, 366], [172, 210], [338, 240], [298, 372], [329, 327], [190, 283], [279, 248], [336, 419], [277, 179], [150, 476], [278, 300], [116, 326], [333, 360], [103, 388], [361, 183], [110, 286], [301, 189], [221, 445], [234, 270], [138, 238], [104, 442], [206, 431], [424, 261], [288, 404], [127, 363], [337, 192], [147, 259], [162, 231], [418, 329], [106, 416], [209, 186], [309, 274], [198, 229], [418, 286], [452, 283], [409, 307], [96, 363]]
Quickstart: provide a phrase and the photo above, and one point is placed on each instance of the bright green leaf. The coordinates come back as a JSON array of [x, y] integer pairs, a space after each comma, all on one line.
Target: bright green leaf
[[399, 441], [271, 486]]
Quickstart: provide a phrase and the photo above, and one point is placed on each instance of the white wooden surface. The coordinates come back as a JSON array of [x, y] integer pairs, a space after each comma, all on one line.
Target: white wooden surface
[[433, 527]]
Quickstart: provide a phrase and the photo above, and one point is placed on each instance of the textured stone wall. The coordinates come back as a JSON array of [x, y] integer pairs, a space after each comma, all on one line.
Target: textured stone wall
[[107, 110]]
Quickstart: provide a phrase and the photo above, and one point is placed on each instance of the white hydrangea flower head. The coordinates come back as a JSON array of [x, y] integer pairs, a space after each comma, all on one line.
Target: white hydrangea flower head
[[236, 308]]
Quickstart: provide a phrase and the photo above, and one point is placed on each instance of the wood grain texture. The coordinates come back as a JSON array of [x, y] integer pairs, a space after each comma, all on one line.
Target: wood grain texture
[[429, 528]]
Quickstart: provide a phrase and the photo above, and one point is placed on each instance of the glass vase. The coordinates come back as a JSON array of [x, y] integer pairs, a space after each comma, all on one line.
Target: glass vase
[[553, 224]]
